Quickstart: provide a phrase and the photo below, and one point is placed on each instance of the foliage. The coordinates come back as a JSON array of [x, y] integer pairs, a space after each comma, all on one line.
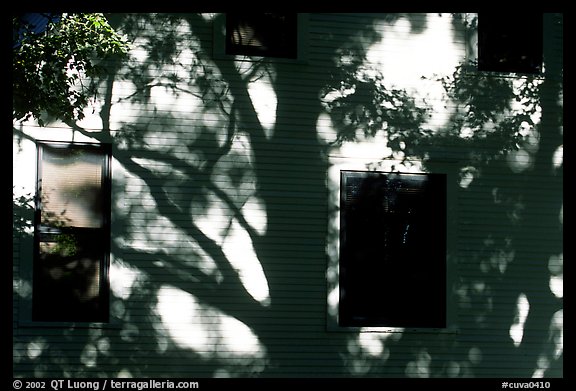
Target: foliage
[[492, 106], [359, 100], [50, 68], [22, 212], [66, 246]]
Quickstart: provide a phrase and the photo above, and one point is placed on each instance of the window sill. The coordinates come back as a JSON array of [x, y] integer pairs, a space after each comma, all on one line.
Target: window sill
[[254, 58], [115, 324], [219, 48], [390, 330], [473, 70]]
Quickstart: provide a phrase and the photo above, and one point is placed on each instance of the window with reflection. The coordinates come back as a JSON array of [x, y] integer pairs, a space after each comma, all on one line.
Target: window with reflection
[[392, 250], [510, 42], [262, 34], [72, 233]]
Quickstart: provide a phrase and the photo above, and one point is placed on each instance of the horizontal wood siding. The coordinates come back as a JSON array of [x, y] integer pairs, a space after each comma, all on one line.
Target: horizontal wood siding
[[219, 243]]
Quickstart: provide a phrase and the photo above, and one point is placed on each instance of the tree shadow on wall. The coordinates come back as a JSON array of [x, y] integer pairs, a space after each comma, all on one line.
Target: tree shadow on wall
[[202, 166], [505, 140], [509, 262]]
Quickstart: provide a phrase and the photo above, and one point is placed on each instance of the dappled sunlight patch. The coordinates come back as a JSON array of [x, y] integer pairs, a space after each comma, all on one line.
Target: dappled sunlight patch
[[420, 367], [517, 328], [554, 346], [121, 111], [542, 365], [209, 16], [242, 154], [210, 217], [23, 288], [205, 329], [161, 235], [124, 373], [117, 309], [407, 165], [325, 129], [467, 175], [556, 269], [89, 355], [239, 250], [223, 373], [236, 338], [476, 294], [483, 296], [36, 347], [210, 119], [103, 345], [398, 155], [530, 137], [129, 332], [466, 132], [519, 160], [181, 315], [138, 52], [556, 333], [359, 367], [122, 278], [401, 53], [453, 369], [254, 211], [333, 295], [475, 355], [368, 348], [234, 195], [558, 157], [172, 83], [368, 147], [373, 344], [463, 294], [525, 102], [500, 259], [456, 369], [163, 341], [264, 100], [150, 237]]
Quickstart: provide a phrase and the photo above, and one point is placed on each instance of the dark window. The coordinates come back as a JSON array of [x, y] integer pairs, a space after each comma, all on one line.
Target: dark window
[[261, 34], [392, 250], [510, 42], [70, 280]]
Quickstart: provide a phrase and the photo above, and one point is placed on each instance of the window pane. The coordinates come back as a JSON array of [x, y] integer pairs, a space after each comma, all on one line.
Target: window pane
[[392, 256], [510, 42], [72, 234], [71, 187], [68, 278], [261, 34]]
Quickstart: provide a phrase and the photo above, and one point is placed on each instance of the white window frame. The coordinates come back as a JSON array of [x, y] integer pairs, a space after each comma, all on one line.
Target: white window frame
[[27, 256], [333, 252], [219, 39]]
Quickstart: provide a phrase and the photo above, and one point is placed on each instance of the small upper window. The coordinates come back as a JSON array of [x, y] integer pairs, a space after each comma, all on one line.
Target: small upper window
[[262, 34], [510, 42]]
